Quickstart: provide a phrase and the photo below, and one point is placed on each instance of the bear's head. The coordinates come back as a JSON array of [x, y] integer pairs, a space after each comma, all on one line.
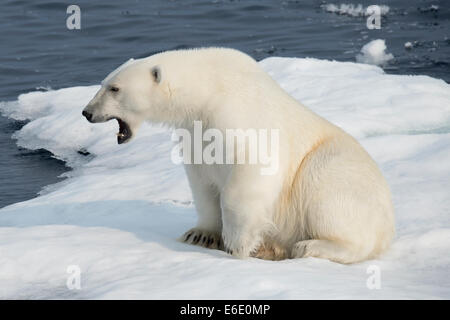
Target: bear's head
[[131, 94], [175, 88]]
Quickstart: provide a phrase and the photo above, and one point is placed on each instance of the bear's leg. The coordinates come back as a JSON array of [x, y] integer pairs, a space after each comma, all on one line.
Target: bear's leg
[[326, 249], [247, 203], [208, 231]]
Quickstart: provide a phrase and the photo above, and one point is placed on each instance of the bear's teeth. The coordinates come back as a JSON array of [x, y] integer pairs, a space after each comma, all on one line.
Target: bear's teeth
[[120, 135]]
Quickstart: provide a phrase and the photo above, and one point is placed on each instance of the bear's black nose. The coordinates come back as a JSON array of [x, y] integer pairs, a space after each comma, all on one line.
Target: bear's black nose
[[87, 115]]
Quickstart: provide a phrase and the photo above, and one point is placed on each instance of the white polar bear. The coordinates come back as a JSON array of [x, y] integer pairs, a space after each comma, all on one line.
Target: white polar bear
[[328, 198]]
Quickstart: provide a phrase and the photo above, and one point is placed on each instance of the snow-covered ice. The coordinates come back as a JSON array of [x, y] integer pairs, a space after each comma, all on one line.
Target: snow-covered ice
[[354, 10], [408, 45], [118, 214], [374, 53]]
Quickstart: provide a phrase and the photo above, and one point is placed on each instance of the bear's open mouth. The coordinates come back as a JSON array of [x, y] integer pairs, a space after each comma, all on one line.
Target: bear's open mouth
[[124, 133]]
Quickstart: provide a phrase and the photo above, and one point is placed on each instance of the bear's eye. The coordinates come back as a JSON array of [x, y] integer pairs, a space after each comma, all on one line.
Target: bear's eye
[[113, 89]]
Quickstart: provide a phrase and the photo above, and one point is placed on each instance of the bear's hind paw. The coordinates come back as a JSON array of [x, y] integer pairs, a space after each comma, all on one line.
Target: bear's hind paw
[[270, 252]]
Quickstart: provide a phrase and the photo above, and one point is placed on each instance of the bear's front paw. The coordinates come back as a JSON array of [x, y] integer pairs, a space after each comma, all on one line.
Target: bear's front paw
[[239, 251], [240, 247], [203, 238]]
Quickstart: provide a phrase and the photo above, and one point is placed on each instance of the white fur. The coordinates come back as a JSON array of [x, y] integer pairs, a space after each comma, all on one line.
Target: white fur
[[328, 198]]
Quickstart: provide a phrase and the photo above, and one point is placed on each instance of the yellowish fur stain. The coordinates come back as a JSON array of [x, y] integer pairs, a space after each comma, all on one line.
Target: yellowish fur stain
[[270, 251], [289, 206]]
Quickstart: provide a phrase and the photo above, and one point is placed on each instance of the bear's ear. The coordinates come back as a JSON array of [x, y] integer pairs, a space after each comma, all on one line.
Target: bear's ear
[[156, 74]]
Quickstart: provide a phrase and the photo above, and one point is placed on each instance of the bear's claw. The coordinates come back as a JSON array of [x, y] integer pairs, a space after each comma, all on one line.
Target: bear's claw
[[203, 238]]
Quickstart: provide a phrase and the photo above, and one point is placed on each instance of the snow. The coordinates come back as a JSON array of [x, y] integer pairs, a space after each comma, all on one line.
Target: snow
[[351, 9], [374, 53], [118, 214]]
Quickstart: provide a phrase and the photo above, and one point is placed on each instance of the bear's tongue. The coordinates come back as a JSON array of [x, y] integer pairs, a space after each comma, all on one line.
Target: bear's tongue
[[124, 132]]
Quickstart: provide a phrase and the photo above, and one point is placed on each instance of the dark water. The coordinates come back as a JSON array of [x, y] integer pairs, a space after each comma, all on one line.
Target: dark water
[[37, 50]]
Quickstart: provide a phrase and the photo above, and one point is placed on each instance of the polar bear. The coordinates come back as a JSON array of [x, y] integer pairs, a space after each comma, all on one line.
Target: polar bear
[[328, 199]]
